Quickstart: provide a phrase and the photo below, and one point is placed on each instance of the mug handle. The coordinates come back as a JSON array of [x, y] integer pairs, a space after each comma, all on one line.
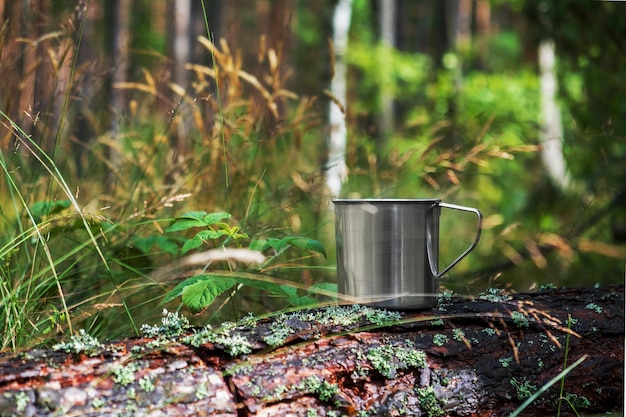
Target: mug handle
[[429, 240]]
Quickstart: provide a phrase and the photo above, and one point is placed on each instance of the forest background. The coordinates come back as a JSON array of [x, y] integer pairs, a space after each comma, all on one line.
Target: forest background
[[121, 121]]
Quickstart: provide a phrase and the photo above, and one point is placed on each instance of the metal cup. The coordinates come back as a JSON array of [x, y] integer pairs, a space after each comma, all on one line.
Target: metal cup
[[388, 250]]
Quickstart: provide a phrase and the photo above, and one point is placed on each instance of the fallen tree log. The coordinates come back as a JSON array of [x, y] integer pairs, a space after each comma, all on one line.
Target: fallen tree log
[[478, 357]]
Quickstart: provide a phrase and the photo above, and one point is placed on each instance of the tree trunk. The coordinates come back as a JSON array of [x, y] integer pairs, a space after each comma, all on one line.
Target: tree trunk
[[479, 357], [387, 116], [551, 125], [337, 170], [121, 40]]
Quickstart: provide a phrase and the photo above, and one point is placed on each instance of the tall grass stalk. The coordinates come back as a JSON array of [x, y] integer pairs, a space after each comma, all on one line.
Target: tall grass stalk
[[562, 389]]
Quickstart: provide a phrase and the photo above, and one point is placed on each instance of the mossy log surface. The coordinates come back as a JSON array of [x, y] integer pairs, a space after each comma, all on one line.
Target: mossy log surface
[[477, 357]]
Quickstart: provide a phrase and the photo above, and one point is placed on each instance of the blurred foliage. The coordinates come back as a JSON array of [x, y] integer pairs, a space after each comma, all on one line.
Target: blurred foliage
[[467, 131], [535, 232]]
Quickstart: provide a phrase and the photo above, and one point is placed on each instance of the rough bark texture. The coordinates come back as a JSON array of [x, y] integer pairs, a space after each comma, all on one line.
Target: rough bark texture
[[477, 357]]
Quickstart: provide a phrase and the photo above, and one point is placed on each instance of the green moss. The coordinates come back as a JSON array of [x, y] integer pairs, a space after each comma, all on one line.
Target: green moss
[[146, 384], [388, 359], [124, 374], [81, 343], [440, 339], [429, 403], [172, 325], [279, 332], [523, 388], [577, 401], [322, 388], [202, 392], [594, 307], [493, 295], [520, 319], [234, 344], [21, 401]]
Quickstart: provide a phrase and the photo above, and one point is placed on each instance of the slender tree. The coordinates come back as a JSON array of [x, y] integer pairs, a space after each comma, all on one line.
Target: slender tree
[[337, 169], [387, 116], [121, 36]]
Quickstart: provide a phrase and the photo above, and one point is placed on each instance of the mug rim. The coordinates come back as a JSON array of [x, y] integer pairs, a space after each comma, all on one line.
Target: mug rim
[[384, 200]]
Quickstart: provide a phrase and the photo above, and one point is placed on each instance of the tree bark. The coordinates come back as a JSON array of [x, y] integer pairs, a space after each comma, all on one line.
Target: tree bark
[[466, 357]]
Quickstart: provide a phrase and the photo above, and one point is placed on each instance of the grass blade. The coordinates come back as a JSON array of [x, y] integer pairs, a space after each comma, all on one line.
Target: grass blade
[[547, 386]]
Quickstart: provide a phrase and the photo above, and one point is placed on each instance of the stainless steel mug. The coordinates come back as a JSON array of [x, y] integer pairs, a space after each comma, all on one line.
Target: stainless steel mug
[[388, 250]]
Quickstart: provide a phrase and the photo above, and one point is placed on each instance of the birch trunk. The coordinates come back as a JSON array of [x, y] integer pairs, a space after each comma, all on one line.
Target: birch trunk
[[551, 125], [337, 170], [181, 53]]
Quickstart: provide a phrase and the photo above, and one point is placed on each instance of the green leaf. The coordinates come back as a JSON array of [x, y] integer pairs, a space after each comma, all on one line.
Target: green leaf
[[46, 208], [213, 218], [274, 290], [302, 301], [211, 234], [201, 237], [179, 225], [202, 293], [258, 244], [145, 244], [306, 243], [295, 241], [192, 243], [277, 244], [178, 289], [324, 286], [196, 219]]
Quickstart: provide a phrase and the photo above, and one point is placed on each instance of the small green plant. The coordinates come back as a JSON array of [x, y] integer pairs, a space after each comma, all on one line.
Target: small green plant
[[489, 331], [505, 362], [201, 290], [458, 334], [523, 388], [520, 319], [494, 295], [81, 343], [440, 339], [594, 307]]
